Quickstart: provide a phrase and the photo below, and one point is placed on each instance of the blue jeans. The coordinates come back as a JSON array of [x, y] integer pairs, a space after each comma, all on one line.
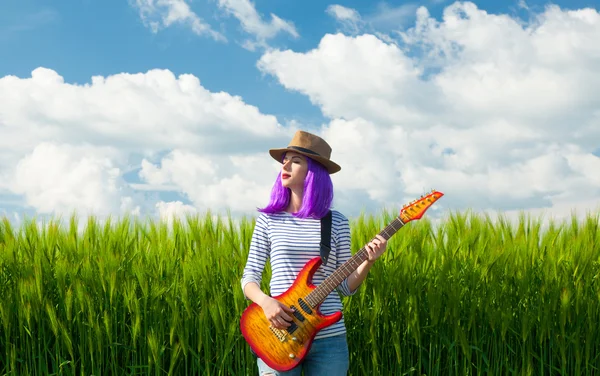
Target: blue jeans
[[327, 356]]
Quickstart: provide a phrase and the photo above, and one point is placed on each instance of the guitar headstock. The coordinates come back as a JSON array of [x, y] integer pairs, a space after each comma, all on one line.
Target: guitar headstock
[[415, 209]]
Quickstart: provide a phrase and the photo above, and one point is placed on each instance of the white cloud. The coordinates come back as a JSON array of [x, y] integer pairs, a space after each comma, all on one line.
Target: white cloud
[[342, 13], [497, 113], [252, 22], [382, 21], [522, 4], [67, 146], [143, 112], [64, 179], [168, 211], [349, 18], [354, 77], [237, 183], [388, 17], [157, 14]]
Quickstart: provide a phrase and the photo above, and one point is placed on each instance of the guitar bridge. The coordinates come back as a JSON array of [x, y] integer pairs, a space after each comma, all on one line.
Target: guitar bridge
[[281, 335]]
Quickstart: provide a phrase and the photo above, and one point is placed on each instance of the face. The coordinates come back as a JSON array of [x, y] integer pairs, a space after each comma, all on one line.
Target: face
[[293, 170]]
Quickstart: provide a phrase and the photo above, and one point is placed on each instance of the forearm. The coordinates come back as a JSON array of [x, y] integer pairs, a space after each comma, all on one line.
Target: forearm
[[254, 293], [359, 275]]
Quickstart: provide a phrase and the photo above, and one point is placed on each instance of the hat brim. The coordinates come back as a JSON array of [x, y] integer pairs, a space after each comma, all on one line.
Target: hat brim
[[330, 165]]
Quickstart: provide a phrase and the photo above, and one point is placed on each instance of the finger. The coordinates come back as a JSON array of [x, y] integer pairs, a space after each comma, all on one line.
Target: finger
[[285, 316]]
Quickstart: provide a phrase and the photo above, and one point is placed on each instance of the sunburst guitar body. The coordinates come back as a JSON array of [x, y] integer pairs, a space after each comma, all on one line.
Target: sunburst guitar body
[[284, 349]]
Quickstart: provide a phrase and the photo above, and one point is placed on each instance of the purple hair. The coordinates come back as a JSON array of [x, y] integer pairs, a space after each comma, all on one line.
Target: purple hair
[[318, 193]]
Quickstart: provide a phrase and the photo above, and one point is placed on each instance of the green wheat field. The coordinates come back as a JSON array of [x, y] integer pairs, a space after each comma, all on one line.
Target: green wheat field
[[470, 295]]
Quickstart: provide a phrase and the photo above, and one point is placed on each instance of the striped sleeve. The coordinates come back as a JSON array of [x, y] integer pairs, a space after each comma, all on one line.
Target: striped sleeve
[[343, 242], [258, 254]]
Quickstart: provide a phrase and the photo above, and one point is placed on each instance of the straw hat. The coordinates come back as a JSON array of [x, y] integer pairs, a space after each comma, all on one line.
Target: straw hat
[[311, 146]]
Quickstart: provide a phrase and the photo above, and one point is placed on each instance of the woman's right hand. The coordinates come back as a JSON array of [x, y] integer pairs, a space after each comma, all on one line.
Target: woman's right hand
[[277, 313]]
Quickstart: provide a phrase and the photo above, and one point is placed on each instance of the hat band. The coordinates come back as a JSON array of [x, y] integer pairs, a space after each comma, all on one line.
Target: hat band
[[299, 148]]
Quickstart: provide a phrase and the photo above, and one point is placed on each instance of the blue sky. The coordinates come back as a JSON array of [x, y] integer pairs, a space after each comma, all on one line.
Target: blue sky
[[81, 39]]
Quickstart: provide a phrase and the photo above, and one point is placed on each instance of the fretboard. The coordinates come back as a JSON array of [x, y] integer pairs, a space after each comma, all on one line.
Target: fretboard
[[318, 295]]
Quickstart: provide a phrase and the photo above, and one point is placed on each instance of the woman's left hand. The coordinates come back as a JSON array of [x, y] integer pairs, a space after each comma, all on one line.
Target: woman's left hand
[[375, 248]]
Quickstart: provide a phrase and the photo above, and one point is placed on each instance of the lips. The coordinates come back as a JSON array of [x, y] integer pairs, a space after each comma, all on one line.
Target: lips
[[285, 176]]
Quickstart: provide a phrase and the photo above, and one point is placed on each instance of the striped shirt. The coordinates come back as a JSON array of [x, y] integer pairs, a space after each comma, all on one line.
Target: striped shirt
[[289, 243]]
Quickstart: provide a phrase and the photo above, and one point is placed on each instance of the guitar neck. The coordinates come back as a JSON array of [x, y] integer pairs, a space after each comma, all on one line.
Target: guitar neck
[[318, 295]]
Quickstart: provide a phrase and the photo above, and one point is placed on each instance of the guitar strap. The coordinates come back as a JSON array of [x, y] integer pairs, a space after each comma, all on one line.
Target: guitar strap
[[325, 237]]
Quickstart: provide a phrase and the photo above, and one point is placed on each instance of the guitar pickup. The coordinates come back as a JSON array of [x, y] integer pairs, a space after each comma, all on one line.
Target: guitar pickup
[[292, 328], [298, 314], [304, 306]]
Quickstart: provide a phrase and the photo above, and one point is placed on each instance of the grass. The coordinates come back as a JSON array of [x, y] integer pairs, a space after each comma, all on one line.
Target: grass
[[468, 296]]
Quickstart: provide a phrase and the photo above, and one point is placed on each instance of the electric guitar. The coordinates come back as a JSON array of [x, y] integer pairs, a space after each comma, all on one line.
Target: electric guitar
[[284, 349]]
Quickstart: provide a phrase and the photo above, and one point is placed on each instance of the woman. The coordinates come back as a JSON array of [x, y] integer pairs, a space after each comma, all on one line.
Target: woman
[[288, 233]]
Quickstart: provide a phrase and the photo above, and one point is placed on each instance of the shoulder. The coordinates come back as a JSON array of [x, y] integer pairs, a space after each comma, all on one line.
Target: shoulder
[[339, 220], [268, 219], [266, 223], [263, 219], [338, 216]]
